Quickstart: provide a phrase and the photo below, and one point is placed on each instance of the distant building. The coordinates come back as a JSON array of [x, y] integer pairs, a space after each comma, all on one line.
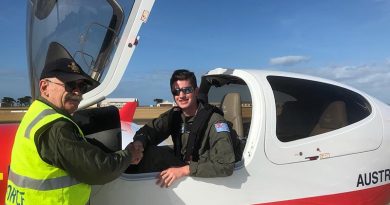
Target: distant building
[[166, 104], [117, 102]]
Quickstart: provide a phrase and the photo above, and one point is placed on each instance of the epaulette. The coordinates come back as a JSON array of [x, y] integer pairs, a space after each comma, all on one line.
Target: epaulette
[[176, 108]]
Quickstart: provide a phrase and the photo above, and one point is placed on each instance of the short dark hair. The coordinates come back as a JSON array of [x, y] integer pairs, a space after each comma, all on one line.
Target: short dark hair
[[183, 74]]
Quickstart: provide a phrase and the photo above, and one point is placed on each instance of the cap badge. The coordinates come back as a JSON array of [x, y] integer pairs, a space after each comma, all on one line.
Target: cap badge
[[74, 67]]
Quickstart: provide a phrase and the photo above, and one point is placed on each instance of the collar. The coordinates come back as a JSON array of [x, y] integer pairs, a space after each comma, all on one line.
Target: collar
[[191, 118], [60, 111]]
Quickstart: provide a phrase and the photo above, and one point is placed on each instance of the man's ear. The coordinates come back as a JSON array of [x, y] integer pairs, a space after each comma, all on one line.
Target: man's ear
[[43, 84]]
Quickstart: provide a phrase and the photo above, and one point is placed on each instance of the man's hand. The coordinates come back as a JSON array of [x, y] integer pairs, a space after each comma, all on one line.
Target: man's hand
[[168, 176], [136, 150]]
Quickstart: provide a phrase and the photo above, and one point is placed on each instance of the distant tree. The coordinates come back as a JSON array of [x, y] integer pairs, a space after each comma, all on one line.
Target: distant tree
[[7, 102], [19, 102], [27, 100], [24, 101], [158, 100]]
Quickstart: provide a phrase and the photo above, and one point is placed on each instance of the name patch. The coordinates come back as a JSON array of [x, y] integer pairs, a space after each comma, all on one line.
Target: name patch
[[221, 127], [14, 196]]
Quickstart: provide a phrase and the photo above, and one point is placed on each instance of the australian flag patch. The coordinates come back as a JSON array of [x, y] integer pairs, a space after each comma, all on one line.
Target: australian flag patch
[[221, 127]]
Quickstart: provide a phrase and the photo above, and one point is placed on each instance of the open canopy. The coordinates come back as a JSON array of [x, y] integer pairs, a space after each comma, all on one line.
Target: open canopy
[[94, 32]]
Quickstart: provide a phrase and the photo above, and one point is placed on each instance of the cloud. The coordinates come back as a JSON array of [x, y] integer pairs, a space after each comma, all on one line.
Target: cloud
[[373, 79], [288, 60]]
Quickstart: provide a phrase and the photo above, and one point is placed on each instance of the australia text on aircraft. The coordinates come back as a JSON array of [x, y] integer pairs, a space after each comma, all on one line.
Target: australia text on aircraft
[[372, 178]]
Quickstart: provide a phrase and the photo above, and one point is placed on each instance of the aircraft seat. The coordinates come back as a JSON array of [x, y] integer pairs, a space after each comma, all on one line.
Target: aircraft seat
[[231, 107], [333, 117], [294, 122]]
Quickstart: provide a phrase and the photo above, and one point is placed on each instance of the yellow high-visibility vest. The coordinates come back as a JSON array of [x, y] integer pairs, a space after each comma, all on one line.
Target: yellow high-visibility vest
[[33, 181]]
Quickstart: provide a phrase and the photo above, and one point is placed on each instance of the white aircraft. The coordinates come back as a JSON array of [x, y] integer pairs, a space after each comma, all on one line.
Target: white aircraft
[[308, 140]]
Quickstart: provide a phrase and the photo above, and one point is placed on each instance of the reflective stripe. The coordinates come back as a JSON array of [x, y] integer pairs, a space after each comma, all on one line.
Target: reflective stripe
[[41, 115], [43, 185]]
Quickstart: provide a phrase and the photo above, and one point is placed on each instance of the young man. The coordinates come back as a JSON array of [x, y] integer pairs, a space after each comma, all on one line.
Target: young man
[[52, 163], [201, 137]]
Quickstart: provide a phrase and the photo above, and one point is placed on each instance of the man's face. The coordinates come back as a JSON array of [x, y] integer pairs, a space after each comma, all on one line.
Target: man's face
[[62, 96], [185, 101]]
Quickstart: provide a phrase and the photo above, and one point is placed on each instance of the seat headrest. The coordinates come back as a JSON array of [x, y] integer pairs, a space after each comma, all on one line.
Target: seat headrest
[[229, 103], [231, 107], [334, 116]]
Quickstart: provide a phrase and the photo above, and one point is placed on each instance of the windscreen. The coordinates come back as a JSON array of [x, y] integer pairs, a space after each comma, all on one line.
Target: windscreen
[[87, 29]]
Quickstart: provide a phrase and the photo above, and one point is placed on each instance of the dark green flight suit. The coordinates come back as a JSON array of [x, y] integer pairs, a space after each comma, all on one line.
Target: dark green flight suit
[[216, 155], [59, 146]]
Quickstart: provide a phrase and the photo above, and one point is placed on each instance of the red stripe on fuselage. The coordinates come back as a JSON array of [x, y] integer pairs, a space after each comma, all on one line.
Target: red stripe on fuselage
[[379, 195], [7, 135]]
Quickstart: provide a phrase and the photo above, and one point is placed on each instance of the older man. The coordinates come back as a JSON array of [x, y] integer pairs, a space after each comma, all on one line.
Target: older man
[[52, 163]]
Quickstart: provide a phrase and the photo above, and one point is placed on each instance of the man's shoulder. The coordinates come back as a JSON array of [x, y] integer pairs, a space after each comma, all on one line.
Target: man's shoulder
[[173, 111], [217, 117], [218, 123], [63, 122], [56, 129], [60, 124], [217, 114]]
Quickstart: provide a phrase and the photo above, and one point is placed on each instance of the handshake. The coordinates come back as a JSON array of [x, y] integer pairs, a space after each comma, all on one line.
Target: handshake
[[136, 150]]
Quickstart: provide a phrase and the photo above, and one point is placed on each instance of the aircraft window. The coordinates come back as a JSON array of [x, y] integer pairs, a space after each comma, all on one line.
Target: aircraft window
[[307, 108]]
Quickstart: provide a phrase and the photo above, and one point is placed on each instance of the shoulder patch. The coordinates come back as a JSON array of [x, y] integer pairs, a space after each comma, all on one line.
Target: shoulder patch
[[221, 127]]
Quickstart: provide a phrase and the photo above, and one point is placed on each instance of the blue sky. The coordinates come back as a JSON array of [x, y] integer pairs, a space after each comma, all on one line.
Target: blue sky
[[347, 41]]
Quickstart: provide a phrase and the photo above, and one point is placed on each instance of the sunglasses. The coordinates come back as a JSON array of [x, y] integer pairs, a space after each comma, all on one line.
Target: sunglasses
[[185, 90], [73, 85]]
